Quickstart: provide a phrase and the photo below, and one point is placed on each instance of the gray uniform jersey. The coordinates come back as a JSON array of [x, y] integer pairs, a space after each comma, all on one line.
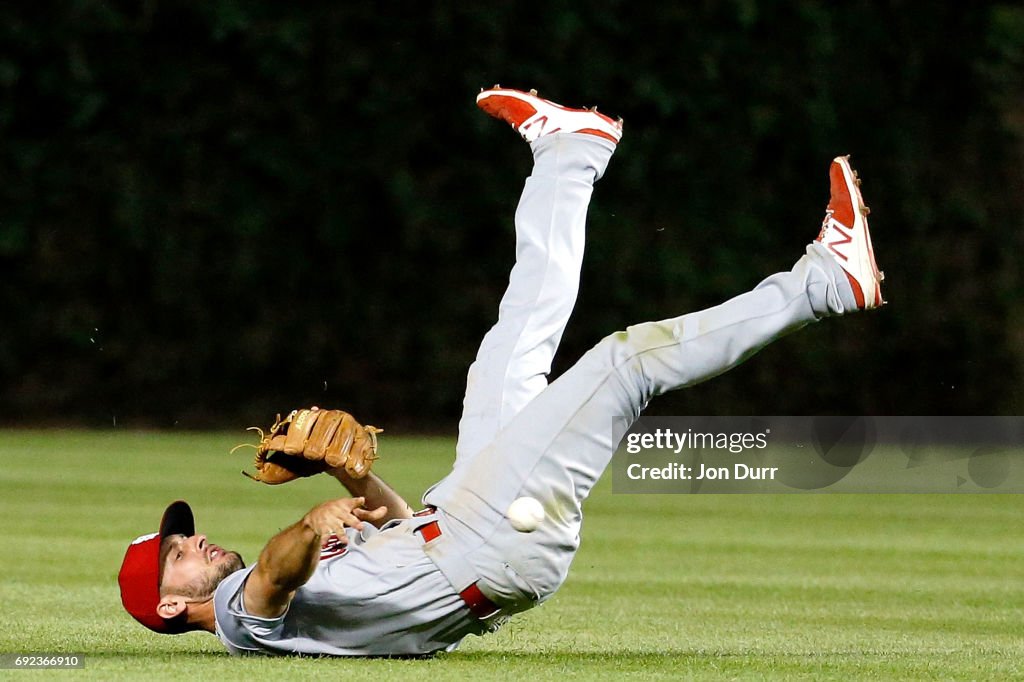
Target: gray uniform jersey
[[378, 595]]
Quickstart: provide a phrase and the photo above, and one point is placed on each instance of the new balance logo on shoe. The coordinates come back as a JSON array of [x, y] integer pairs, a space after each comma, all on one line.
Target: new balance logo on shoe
[[541, 121], [836, 229]]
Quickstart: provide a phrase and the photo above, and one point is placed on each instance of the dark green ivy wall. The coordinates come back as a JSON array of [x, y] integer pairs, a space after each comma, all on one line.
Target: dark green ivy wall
[[213, 211]]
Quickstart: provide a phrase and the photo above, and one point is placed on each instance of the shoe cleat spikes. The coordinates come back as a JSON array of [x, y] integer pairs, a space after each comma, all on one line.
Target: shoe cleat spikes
[[865, 211], [533, 91]]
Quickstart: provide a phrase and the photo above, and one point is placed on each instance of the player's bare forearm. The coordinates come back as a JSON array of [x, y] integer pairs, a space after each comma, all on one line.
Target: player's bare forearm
[[285, 564], [291, 556], [376, 492]]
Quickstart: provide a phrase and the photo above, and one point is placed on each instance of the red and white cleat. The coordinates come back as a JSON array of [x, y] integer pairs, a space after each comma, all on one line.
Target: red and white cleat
[[534, 117], [844, 232]]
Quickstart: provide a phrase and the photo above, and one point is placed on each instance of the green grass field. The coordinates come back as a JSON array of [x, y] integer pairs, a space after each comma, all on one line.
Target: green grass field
[[716, 586]]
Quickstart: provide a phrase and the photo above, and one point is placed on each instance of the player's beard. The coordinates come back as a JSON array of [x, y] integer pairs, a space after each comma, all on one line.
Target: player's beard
[[202, 588]]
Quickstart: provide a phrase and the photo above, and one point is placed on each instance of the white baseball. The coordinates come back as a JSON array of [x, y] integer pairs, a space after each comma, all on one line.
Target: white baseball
[[525, 514]]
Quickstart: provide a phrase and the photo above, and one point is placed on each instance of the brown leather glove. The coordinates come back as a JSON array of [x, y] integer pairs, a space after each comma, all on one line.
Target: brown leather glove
[[310, 441]]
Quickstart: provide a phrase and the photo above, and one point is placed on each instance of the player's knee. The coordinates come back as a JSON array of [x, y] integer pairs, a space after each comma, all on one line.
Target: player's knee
[[621, 354], [611, 352], [623, 346]]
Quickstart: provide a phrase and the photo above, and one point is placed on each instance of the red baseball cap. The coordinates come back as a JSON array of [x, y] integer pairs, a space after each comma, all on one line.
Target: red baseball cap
[[139, 577]]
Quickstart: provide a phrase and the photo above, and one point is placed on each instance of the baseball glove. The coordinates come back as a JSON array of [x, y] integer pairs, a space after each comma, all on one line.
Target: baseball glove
[[310, 441]]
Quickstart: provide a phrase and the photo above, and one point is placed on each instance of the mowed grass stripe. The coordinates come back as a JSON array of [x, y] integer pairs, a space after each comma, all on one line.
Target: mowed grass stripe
[[665, 587]]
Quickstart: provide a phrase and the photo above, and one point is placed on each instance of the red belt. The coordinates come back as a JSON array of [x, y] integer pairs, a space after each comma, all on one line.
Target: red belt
[[479, 605]]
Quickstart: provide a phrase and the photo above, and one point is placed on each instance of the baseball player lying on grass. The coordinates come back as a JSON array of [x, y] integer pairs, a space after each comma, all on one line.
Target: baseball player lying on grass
[[364, 575]]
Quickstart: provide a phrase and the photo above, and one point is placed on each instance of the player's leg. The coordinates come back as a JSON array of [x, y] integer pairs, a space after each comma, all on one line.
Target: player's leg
[[514, 359], [558, 446]]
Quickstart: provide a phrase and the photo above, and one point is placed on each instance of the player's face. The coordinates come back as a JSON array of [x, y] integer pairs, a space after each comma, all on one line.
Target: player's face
[[193, 567]]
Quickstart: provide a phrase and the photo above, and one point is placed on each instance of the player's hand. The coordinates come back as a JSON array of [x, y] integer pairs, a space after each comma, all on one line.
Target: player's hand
[[334, 515]]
